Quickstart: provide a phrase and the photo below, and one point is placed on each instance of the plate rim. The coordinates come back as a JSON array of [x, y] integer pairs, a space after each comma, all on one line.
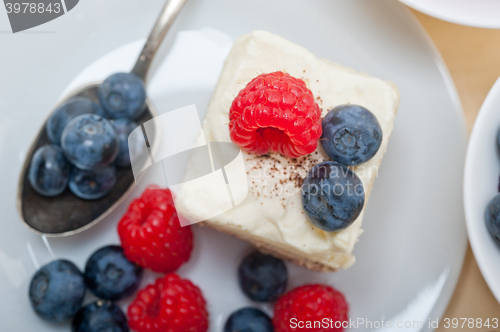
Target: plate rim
[[435, 56], [471, 221], [449, 18]]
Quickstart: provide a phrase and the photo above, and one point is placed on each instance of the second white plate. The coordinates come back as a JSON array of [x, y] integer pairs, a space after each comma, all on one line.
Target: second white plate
[[482, 168], [476, 13]]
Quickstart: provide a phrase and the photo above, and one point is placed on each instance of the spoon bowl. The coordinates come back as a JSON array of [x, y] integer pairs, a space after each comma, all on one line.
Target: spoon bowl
[[67, 214]]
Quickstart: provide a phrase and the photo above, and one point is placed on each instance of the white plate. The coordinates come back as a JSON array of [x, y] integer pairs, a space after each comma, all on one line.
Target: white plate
[[476, 13], [482, 168], [410, 256]]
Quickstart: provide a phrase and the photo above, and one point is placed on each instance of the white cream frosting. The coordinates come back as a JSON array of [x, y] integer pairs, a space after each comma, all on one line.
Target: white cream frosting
[[271, 213]]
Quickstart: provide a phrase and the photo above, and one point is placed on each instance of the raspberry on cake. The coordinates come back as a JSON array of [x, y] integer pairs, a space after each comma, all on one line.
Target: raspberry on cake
[[151, 234], [272, 217], [275, 112]]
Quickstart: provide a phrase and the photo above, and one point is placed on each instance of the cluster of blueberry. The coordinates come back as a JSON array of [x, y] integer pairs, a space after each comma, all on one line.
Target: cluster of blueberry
[[89, 140], [492, 213], [57, 290], [152, 238], [332, 194]]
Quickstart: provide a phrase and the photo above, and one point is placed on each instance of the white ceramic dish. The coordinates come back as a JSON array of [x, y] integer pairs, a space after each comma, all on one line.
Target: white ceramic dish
[[410, 256], [476, 13], [482, 169]]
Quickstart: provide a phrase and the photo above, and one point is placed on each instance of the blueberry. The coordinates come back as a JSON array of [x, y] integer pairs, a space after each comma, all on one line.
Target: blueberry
[[90, 142], [332, 196], [492, 217], [351, 135], [49, 171], [110, 275], [122, 95], [123, 128], [56, 291], [248, 320], [66, 112], [100, 316], [92, 184], [262, 278]]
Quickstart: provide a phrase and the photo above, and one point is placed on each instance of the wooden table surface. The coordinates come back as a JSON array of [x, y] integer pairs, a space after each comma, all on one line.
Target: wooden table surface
[[473, 59]]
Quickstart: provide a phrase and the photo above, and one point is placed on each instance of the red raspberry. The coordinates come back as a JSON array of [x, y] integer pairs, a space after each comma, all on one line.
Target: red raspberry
[[310, 303], [275, 112], [172, 304], [151, 234]]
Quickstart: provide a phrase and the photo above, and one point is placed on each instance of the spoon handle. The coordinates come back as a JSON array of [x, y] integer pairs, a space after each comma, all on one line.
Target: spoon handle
[[160, 29]]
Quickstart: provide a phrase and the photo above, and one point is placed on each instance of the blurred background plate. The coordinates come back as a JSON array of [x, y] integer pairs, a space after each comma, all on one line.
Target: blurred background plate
[[476, 13], [482, 169], [411, 253]]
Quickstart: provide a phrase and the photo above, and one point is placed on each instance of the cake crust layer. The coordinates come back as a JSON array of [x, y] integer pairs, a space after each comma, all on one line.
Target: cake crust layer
[[271, 248]]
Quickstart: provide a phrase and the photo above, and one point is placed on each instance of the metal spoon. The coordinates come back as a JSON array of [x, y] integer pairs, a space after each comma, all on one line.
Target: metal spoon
[[67, 214]]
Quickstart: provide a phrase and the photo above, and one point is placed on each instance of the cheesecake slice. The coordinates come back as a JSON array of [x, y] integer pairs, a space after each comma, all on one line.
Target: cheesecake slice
[[271, 217]]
